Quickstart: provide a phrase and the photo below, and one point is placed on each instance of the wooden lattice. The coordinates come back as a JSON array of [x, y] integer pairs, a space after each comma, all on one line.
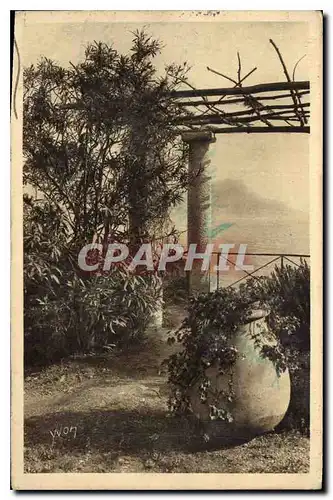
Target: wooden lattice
[[262, 108]]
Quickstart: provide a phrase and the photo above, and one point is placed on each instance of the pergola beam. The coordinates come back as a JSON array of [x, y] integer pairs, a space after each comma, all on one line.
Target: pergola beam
[[254, 89], [260, 130], [239, 101]]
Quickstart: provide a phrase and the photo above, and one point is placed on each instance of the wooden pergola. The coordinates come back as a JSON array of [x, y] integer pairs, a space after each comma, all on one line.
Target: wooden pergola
[[278, 107], [265, 108]]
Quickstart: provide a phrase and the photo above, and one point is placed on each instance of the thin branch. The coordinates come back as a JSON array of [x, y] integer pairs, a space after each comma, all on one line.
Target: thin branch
[[255, 105], [292, 92], [207, 102], [299, 60], [239, 69], [236, 84], [224, 76], [228, 78], [239, 84]]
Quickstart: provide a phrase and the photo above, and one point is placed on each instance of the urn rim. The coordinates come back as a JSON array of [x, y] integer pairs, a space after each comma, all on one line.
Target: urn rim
[[256, 311]]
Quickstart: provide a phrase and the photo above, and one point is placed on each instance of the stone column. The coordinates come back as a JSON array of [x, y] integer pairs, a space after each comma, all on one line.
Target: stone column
[[199, 203]]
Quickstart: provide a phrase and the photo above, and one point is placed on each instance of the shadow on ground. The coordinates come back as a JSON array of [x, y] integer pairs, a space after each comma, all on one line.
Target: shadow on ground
[[105, 431], [132, 441]]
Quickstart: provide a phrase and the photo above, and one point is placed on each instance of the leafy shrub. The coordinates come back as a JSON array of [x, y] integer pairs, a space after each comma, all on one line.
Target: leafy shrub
[[67, 313], [287, 291], [102, 149], [88, 315], [212, 320]]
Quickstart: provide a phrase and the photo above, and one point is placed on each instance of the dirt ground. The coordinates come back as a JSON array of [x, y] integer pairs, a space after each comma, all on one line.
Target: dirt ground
[[110, 415]]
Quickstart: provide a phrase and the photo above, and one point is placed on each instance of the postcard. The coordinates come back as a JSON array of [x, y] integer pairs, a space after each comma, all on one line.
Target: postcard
[[166, 302]]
